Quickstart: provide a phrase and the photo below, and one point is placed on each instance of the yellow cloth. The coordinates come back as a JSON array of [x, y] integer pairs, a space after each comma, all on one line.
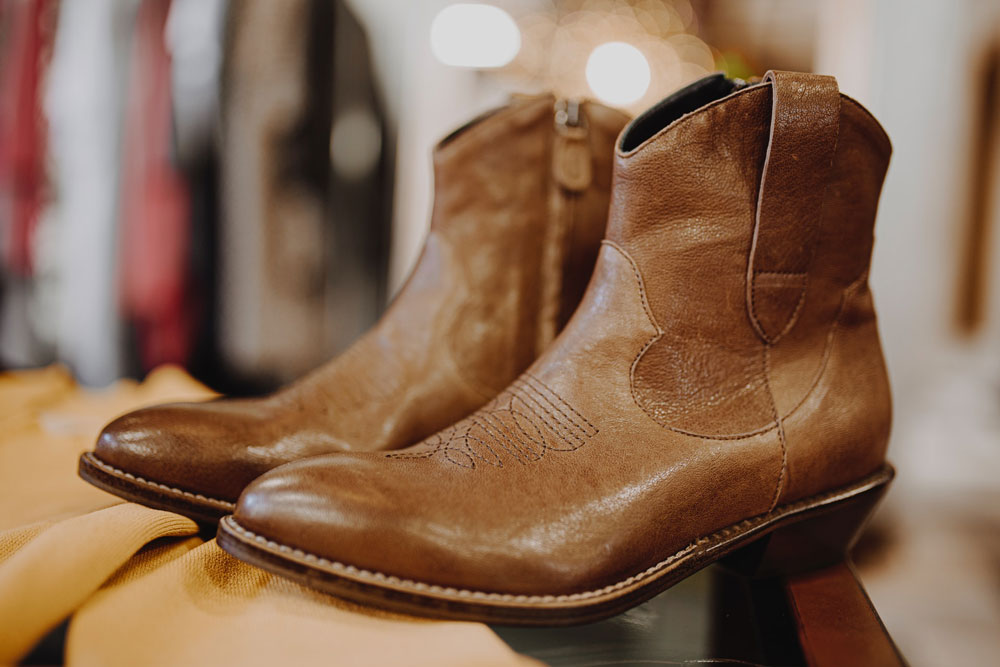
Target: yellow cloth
[[141, 586], [54, 573]]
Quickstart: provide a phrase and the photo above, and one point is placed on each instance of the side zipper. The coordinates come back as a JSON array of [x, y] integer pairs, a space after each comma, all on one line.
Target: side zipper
[[572, 172]]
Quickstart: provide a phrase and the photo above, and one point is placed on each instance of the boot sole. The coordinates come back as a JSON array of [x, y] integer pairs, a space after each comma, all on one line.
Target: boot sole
[[800, 536], [152, 494]]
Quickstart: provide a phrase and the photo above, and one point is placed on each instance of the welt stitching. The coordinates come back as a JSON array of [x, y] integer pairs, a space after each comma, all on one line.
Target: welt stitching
[[745, 525], [157, 485]]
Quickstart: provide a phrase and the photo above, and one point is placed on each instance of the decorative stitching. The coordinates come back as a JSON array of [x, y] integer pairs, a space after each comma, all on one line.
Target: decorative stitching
[[505, 421], [639, 281], [541, 385], [828, 344], [436, 443], [742, 527], [793, 318], [93, 460], [567, 427], [771, 78], [747, 434], [507, 438], [782, 273], [659, 334]]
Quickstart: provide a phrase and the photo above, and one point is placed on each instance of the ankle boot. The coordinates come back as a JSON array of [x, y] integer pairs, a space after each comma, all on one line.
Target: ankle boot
[[520, 206], [720, 391]]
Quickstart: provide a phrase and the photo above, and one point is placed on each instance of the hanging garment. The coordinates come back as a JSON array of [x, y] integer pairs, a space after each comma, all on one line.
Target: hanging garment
[[23, 59], [303, 243], [155, 207], [80, 223]]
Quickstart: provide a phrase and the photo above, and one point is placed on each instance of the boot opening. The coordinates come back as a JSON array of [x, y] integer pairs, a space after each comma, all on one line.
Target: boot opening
[[685, 100], [455, 134]]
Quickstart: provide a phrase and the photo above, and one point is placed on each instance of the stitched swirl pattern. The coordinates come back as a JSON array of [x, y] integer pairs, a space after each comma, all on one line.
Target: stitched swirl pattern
[[521, 425]]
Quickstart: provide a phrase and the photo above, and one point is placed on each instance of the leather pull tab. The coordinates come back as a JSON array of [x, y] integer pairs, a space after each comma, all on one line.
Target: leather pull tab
[[805, 122], [571, 162], [571, 159]]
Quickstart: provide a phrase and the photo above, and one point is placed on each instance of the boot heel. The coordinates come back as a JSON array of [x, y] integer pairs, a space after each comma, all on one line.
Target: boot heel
[[818, 537]]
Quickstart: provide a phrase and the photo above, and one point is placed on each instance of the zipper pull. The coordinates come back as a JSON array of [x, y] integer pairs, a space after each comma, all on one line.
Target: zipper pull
[[571, 159]]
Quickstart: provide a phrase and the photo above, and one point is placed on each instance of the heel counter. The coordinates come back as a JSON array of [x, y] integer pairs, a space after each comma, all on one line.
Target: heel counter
[[841, 431]]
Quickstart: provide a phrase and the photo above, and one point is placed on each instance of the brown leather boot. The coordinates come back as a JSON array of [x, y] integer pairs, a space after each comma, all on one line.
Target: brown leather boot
[[520, 207], [720, 386]]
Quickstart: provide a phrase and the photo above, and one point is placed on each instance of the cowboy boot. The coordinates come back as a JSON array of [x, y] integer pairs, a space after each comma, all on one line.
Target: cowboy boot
[[720, 390], [520, 206]]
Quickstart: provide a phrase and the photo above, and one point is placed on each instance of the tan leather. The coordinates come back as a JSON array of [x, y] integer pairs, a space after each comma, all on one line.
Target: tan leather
[[507, 258], [684, 396], [837, 624]]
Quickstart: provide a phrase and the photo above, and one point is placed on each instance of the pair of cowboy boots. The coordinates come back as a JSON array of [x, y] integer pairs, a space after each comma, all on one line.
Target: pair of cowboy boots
[[508, 445]]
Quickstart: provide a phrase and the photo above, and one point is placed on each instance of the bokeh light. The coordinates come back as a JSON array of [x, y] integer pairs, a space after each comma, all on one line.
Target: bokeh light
[[618, 73], [474, 35], [558, 38]]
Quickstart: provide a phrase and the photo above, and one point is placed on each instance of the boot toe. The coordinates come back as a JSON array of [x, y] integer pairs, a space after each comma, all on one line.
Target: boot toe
[[350, 509], [135, 444], [178, 445], [324, 508]]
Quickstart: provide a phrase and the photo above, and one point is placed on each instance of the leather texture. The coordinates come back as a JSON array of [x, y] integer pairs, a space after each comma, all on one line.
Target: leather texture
[[679, 399], [507, 258]]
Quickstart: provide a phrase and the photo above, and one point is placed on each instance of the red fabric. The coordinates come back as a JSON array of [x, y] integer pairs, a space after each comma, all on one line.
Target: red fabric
[[155, 230], [24, 55]]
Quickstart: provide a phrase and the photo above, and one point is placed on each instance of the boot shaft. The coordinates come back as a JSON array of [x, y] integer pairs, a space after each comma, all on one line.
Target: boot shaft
[[751, 220], [520, 207]]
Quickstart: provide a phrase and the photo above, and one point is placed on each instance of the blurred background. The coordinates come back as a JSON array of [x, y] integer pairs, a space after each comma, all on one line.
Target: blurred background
[[239, 186]]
